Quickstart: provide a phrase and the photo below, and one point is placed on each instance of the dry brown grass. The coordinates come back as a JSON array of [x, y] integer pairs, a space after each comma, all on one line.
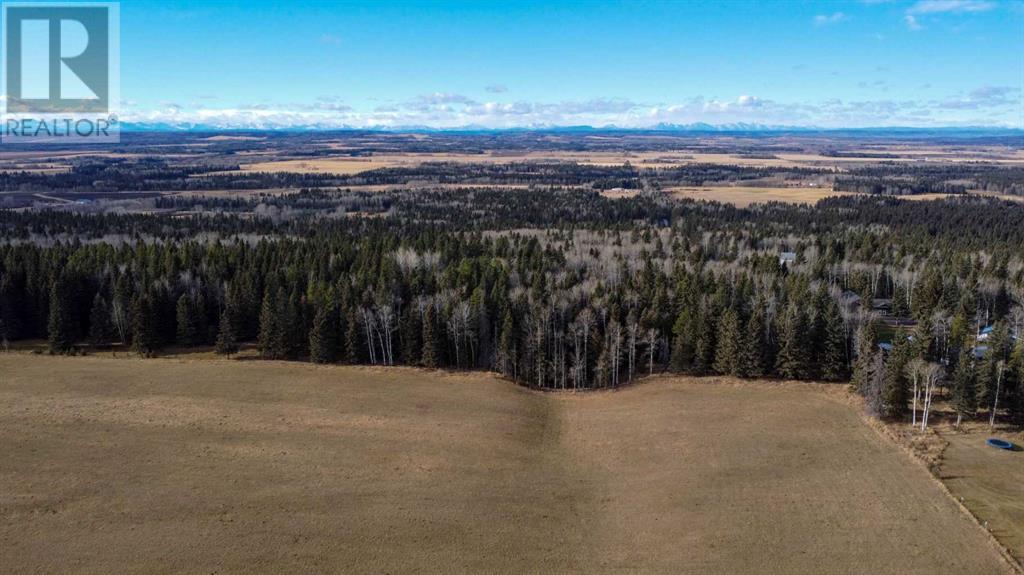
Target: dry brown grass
[[989, 481], [356, 164], [226, 138], [340, 165], [619, 193], [345, 164], [744, 196], [170, 465]]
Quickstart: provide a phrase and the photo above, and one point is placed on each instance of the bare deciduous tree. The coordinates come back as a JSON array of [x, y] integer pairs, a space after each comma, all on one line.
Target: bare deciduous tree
[[931, 376], [1000, 369], [915, 369], [652, 349]]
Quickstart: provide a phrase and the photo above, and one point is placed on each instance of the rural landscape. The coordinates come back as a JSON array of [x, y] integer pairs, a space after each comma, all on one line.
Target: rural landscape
[[828, 340], [547, 291]]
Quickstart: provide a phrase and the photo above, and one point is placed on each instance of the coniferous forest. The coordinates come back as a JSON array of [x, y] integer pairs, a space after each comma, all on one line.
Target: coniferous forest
[[554, 286]]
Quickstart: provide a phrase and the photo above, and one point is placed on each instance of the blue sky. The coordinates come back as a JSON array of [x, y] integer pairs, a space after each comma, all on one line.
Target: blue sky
[[503, 64]]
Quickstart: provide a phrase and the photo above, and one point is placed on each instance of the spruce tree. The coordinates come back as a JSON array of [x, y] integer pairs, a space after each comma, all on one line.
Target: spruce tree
[[270, 332], [730, 343], [999, 349], [145, 330], [793, 361], [874, 388], [227, 342], [753, 354], [506, 345], [411, 332], [1015, 382], [292, 323], [832, 362], [865, 354], [964, 395], [353, 341], [896, 392], [101, 326], [704, 350], [431, 352], [189, 330], [323, 337], [683, 338], [686, 327], [60, 327], [163, 312], [900, 308], [11, 306]]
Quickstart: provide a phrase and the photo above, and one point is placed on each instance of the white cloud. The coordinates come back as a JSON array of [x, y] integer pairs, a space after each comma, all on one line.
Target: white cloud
[[951, 6], [986, 105], [330, 39], [985, 97], [829, 19], [933, 7], [441, 98], [749, 101], [327, 104], [496, 88]]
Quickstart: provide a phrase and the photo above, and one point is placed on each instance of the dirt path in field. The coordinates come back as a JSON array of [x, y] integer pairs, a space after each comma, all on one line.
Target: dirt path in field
[[135, 466]]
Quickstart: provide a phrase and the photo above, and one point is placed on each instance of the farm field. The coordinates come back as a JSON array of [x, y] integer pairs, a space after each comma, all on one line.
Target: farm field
[[743, 196], [347, 164], [178, 465]]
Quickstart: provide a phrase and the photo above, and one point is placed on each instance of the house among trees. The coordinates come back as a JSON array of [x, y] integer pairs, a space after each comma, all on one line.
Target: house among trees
[[787, 258], [882, 305], [850, 300]]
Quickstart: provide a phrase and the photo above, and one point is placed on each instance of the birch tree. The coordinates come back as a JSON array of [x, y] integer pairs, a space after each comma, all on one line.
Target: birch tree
[[931, 377]]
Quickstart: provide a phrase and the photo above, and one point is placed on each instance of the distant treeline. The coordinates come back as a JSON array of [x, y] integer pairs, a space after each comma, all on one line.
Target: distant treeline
[[901, 179]]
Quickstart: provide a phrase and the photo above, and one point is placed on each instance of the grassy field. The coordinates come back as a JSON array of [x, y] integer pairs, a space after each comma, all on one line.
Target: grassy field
[[177, 465], [989, 481], [744, 196]]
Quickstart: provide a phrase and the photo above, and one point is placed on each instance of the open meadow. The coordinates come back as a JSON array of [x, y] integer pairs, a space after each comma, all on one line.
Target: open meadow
[[744, 196], [177, 465]]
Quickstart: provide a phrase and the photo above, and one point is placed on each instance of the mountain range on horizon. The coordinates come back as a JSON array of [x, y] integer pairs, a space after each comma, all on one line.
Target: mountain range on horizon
[[696, 127]]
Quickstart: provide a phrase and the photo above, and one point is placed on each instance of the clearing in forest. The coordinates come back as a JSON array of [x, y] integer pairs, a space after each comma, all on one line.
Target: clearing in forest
[[743, 196]]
